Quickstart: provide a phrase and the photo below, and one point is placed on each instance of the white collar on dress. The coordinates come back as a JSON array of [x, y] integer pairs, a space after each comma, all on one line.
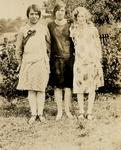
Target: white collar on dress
[[62, 22]]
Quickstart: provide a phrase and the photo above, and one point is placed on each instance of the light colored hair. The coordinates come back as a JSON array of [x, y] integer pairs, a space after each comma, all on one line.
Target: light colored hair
[[84, 12]]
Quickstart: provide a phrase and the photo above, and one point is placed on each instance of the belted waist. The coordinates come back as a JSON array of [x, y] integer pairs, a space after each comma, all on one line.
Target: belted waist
[[63, 56]]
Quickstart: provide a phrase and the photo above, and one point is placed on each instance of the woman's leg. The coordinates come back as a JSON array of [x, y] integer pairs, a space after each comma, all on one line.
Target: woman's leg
[[67, 101], [91, 98], [40, 105], [58, 97], [40, 102], [80, 99], [32, 95], [33, 105]]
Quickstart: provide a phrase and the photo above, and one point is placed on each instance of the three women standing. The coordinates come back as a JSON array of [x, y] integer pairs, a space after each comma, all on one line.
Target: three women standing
[[84, 77]]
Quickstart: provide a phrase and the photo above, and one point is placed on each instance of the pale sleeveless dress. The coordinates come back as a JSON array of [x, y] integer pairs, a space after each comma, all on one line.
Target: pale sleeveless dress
[[88, 73], [34, 72]]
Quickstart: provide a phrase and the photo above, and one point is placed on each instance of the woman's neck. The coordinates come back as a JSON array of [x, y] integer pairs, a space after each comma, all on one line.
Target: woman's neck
[[81, 25], [61, 22], [32, 24]]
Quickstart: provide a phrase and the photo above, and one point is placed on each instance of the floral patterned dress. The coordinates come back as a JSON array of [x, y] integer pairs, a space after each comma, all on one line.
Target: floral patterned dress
[[34, 71], [88, 72]]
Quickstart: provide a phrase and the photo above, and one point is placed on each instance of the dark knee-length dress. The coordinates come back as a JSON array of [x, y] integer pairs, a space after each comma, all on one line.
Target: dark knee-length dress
[[61, 56]]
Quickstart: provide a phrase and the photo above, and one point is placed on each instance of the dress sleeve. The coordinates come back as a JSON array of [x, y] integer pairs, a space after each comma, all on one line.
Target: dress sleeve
[[98, 44], [19, 50], [48, 42], [72, 31], [119, 40]]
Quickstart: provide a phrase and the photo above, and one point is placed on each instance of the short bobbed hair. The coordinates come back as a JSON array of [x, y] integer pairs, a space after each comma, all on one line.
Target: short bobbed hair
[[58, 6], [34, 7]]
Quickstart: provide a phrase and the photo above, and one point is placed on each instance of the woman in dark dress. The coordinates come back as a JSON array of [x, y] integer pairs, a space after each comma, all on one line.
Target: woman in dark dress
[[61, 59]]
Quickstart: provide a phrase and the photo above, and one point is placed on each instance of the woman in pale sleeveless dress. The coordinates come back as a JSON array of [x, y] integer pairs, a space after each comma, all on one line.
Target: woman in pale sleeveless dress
[[34, 61]]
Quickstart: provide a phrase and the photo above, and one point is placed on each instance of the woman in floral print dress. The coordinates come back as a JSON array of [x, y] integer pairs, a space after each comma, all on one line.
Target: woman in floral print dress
[[88, 74]]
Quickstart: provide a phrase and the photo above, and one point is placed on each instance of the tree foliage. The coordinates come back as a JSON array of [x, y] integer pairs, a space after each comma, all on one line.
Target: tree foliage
[[103, 11]]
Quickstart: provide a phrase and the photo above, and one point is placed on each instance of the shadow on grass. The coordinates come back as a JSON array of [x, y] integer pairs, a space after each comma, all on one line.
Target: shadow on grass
[[21, 109], [14, 110]]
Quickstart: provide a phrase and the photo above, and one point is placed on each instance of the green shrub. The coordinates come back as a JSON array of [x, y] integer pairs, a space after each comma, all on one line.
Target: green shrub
[[8, 69], [112, 61]]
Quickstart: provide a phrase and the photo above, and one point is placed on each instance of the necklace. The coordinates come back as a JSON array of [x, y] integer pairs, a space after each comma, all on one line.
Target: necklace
[[62, 22]]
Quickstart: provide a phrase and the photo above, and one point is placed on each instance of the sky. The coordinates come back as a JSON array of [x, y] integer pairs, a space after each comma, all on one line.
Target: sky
[[16, 8]]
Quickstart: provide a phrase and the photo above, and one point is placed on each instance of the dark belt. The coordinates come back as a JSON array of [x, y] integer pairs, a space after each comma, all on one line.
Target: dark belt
[[62, 56]]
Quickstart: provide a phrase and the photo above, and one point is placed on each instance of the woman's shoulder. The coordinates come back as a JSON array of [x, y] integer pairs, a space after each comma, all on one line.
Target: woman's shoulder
[[93, 29], [41, 26], [51, 23], [22, 30], [92, 26], [24, 27]]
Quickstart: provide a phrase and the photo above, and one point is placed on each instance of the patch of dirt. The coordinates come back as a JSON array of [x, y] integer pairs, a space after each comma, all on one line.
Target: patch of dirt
[[103, 133]]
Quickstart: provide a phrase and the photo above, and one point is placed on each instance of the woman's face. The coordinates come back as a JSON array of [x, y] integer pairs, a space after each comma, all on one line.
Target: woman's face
[[60, 14], [81, 19], [33, 16]]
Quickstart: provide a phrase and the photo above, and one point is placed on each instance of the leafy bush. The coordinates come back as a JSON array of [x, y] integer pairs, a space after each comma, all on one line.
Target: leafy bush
[[112, 61], [8, 67]]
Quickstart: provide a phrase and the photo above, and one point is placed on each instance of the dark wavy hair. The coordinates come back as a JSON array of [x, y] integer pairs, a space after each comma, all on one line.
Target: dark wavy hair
[[58, 6], [35, 8]]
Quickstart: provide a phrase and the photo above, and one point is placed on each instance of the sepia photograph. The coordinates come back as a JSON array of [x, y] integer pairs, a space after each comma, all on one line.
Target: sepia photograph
[[60, 75]]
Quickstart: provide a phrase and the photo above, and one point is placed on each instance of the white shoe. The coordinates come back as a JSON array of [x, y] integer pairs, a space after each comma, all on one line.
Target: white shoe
[[89, 116], [32, 119], [59, 117], [42, 119], [81, 116], [69, 115]]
